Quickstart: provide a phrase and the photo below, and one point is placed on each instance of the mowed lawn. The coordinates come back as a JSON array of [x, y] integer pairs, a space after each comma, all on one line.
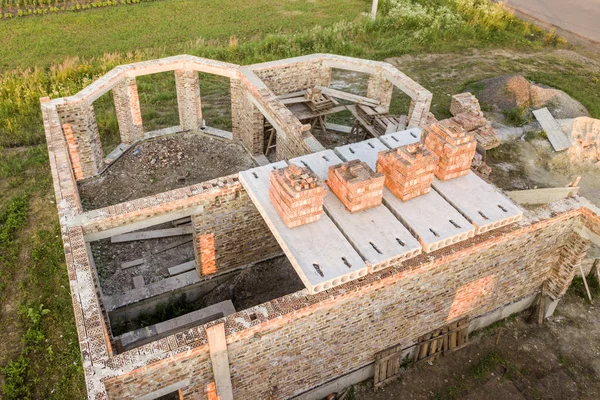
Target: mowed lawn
[[46, 40]]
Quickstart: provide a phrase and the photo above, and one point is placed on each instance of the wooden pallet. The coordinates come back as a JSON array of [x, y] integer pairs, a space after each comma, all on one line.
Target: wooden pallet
[[446, 339], [388, 366]]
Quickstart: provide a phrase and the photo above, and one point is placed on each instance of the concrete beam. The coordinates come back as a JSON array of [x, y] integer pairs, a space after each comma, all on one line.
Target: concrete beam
[[220, 361]]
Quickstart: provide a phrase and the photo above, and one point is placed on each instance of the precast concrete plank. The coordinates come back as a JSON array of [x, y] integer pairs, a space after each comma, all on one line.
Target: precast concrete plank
[[367, 151], [479, 202], [313, 249], [375, 233], [429, 217], [401, 138]]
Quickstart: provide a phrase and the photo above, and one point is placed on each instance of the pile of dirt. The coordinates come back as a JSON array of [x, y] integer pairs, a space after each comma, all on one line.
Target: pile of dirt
[[507, 92], [166, 163]]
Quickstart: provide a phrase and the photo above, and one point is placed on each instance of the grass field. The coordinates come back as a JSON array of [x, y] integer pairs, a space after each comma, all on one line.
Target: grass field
[[47, 40], [39, 353]]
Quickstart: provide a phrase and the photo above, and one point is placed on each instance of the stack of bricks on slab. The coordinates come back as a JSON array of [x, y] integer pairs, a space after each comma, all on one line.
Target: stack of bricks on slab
[[454, 146], [356, 185], [408, 170], [297, 195]]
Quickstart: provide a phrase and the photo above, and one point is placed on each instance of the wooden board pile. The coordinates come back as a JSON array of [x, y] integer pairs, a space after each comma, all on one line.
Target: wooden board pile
[[356, 185], [386, 123], [467, 112], [297, 195], [317, 101], [408, 170], [454, 146]]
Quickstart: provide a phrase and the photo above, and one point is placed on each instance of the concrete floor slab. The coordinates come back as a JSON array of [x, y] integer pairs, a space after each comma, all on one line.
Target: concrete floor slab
[[430, 218], [480, 202], [402, 138], [318, 246], [375, 233], [367, 151]]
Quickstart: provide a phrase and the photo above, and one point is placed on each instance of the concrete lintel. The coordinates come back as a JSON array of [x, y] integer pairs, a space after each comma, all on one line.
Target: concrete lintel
[[219, 358], [351, 64], [87, 219], [286, 61], [280, 130]]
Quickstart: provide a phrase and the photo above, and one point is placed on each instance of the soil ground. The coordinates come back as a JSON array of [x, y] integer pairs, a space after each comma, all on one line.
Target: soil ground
[[162, 164], [108, 258], [560, 360]]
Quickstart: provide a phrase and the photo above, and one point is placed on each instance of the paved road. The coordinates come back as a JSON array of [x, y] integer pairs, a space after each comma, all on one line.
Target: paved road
[[581, 17]]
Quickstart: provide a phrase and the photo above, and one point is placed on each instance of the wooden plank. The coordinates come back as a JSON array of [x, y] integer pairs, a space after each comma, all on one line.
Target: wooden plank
[[367, 127], [304, 115], [338, 128], [172, 245], [294, 100], [542, 196], [181, 268], [132, 263], [293, 94], [181, 221], [349, 96], [217, 346], [145, 235], [557, 138]]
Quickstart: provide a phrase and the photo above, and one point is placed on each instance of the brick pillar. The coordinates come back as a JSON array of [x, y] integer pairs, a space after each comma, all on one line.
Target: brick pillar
[[380, 89], [188, 99], [127, 107], [247, 121], [84, 140], [419, 110]]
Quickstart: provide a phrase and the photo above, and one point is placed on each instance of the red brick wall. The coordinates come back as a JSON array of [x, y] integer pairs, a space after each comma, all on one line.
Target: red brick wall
[[230, 233]]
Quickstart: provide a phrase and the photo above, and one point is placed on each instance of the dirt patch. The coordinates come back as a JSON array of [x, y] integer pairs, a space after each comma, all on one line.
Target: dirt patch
[[109, 257], [506, 92], [532, 163], [263, 282], [162, 164], [559, 360], [333, 139]]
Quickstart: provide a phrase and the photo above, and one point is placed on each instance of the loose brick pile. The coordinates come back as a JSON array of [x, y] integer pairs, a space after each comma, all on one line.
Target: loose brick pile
[[454, 146], [408, 170], [297, 195], [467, 113], [356, 185]]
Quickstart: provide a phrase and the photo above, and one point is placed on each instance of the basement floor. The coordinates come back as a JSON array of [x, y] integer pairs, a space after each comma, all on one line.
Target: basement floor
[[109, 257], [252, 286], [162, 164]]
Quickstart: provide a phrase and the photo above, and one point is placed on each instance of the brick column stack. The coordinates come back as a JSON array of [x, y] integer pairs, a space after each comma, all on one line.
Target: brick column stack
[[408, 170], [297, 195], [356, 185], [454, 146]]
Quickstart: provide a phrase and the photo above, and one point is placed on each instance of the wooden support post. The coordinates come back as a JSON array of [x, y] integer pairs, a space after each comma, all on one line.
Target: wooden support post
[[587, 288], [541, 304], [374, 9]]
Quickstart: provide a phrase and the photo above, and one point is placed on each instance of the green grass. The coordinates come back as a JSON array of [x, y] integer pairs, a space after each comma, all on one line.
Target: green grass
[[517, 116], [164, 24]]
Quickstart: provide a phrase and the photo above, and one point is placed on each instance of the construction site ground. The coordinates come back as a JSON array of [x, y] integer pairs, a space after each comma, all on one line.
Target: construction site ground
[[513, 359], [162, 164]]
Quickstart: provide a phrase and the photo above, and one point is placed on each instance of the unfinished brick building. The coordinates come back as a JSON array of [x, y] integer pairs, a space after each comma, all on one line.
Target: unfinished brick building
[[365, 281]]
